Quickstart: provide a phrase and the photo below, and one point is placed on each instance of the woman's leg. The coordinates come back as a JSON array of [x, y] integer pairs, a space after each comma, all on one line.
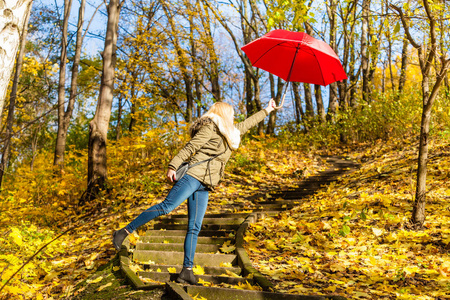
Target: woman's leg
[[197, 204], [182, 189]]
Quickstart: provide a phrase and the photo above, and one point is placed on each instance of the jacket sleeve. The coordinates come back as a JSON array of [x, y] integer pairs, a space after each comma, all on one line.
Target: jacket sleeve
[[248, 123], [200, 138]]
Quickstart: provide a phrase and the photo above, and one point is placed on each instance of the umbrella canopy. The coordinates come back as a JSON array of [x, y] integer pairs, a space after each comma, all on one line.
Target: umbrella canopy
[[295, 56]]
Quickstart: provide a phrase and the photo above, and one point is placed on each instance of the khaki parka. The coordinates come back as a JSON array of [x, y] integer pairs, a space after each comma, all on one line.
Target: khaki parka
[[207, 143]]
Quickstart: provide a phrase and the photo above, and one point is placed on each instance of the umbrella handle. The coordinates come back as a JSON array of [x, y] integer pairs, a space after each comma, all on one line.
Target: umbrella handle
[[284, 96], [282, 102]]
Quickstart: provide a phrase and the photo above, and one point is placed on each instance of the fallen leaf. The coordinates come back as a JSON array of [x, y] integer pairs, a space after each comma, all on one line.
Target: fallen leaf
[[104, 286]]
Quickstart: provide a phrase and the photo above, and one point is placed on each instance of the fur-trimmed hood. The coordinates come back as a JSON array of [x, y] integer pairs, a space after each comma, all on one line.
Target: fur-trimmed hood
[[204, 146], [233, 136]]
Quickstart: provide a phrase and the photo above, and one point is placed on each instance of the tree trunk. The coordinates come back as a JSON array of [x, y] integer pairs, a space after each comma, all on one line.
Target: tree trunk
[[319, 102], [213, 57], [332, 103], [98, 127], [248, 90], [195, 65], [353, 78], [364, 50], [257, 100], [348, 25], [133, 101], [64, 117], [309, 109], [273, 116], [298, 104], [119, 119], [12, 22], [402, 78], [61, 135], [333, 96], [391, 73], [12, 100]]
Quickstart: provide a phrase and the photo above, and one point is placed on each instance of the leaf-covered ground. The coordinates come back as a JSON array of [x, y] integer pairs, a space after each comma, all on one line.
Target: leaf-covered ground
[[350, 239], [353, 238], [58, 247]]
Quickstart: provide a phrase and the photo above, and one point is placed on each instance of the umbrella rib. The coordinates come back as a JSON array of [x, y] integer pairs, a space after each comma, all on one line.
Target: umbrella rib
[[293, 61], [268, 51], [320, 67]]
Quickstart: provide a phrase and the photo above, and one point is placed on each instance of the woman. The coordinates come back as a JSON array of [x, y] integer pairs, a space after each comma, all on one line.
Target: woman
[[213, 137]]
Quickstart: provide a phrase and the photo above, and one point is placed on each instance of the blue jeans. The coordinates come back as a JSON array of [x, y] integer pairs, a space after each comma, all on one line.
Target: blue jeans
[[197, 194]]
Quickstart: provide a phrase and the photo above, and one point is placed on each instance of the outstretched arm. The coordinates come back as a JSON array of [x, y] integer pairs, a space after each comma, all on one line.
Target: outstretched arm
[[248, 123]]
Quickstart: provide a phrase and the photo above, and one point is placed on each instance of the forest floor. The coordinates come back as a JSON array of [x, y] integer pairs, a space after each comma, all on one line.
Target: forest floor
[[354, 238], [351, 238]]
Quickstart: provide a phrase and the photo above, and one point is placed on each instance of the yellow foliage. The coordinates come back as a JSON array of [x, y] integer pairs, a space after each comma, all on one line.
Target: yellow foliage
[[16, 236], [198, 270], [391, 260]]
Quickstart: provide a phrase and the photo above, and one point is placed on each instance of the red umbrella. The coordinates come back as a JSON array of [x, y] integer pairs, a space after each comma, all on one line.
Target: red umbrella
[[295, 56]]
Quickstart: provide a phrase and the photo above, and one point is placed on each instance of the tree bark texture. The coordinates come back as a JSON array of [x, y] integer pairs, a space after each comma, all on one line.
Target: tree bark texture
[[64, 122], [214, 63], [402, 78], [13, 17], [309, 109], [12, 101], [364, 50], [58, 159], [98, 127], [277, 97], [319, 102], [298, 103]]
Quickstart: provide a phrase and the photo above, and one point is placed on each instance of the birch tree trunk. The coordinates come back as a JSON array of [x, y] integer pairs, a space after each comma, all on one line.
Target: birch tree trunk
[[12, 101], [98, 127], [13, 18]]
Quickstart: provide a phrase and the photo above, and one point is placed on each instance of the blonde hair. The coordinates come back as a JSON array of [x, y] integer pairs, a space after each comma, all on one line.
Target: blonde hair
[[223, 110], [223, 115]]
